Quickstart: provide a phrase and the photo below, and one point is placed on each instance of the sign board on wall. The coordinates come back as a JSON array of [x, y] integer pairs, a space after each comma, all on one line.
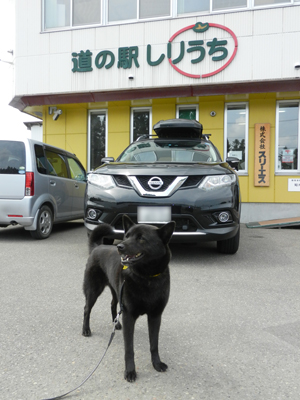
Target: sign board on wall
[[262, 155], [197, 51], [294, 185]]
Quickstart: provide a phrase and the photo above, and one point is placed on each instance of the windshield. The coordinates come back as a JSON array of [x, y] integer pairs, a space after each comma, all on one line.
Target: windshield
[[177, 151]]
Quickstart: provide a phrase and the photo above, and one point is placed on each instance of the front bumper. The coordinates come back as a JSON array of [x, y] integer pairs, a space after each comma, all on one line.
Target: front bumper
[[195, 211]]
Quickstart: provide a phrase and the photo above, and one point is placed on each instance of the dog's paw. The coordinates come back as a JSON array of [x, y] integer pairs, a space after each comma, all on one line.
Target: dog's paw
[[130, 376], [86, 332], [160, 366]]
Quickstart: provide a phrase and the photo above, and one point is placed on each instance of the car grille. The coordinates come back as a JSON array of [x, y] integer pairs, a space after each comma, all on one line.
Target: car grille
[[191, 181]]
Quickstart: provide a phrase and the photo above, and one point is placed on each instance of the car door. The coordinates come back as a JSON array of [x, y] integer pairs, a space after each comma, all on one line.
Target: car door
[[60, 185], [78, 177]]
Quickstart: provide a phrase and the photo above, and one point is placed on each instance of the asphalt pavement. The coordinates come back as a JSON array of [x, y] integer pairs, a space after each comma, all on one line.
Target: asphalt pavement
[[231, 329]]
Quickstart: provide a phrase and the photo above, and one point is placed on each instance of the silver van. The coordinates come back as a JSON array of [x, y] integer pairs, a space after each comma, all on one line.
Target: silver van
[[39, 185]]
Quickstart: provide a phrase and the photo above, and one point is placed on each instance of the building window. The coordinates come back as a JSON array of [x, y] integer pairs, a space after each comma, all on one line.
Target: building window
[[56, 13], [236, 133], [86, 12], [97, 138], [141, 122], [154, 8], [120, 10], [228, 4], [269, 2], [188, 112], [287, 137], [191, 6]]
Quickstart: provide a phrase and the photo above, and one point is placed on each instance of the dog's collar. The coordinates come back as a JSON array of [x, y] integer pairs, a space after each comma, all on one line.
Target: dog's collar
[[151, 276]]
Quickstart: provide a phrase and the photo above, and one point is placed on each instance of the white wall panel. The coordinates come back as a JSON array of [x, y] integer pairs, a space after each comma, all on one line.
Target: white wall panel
[[60, 42], [38, 74], [157, 33], [242, 26], [83, 39], [107, 38], [266, 22], [290, 57], [266, 61], [59, 76], [21, 77], [291, 18], [241, 68], [131, 35]]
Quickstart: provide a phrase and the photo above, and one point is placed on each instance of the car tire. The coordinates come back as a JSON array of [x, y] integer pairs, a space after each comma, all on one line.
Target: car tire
[[229, 246], [44, 224]]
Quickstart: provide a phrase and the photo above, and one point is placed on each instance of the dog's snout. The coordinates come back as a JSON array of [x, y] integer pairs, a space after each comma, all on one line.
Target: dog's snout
[[120, 246]]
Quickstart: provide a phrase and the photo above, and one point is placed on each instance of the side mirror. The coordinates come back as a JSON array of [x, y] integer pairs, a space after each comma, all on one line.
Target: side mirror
[[233, 162], [107, 160]]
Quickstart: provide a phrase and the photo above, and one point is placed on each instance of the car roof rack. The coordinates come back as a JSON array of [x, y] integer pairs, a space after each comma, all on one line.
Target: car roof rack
[[178, 128]]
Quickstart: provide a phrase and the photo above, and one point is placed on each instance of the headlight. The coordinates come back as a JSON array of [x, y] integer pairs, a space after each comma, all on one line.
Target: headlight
[[217, 181], [104, 181]]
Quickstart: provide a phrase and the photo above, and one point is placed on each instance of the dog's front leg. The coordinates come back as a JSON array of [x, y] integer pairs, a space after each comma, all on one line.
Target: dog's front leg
[[128, 333], [154, 326]]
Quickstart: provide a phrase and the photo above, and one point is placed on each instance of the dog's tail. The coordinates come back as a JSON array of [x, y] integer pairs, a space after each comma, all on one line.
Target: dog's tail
[[98, 234]]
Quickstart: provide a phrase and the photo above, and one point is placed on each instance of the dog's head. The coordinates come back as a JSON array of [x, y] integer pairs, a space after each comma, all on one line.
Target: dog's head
[[144, 244]]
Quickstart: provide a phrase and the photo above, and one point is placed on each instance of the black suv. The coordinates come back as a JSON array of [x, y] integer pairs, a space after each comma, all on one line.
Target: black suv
[[177, 175]]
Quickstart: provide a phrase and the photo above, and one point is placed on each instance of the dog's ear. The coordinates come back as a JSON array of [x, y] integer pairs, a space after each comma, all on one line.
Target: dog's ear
[[127, 223], [166, 232]]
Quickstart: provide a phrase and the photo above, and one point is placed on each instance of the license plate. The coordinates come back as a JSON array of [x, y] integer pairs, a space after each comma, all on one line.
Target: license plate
[[150, 215]]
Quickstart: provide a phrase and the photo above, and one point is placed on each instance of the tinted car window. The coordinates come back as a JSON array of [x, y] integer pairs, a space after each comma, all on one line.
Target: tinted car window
[[56, 164], [41, 161], [12, 157], [77, 172], [183, 151]]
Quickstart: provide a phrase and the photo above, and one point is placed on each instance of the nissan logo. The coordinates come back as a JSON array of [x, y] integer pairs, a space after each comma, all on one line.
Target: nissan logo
[[155, 183]]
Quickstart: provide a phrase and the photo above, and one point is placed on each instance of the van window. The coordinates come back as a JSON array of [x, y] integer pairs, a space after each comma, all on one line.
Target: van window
[[41, 160], [12, 157], [56, 164], [77, 172]]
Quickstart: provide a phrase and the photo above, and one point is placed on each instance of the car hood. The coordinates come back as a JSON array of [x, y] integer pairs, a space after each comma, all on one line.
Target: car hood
[[175, 169]]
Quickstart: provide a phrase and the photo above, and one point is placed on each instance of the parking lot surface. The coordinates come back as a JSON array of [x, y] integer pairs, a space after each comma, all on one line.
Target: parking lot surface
[[231, 329]]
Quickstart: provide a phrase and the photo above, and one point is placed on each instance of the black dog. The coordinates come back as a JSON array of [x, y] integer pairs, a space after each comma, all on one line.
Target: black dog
[[140, 261]]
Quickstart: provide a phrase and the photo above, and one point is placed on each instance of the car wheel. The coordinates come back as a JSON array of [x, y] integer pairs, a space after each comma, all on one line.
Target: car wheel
[[44, 224], [229, 246]]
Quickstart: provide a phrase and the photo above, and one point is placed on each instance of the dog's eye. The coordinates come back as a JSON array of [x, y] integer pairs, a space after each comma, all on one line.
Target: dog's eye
[[142, 239]]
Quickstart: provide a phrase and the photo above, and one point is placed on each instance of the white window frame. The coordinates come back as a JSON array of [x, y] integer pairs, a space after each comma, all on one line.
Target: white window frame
[[286, 171], [186, 107], [242, 171], [90, 112], [133, 109]]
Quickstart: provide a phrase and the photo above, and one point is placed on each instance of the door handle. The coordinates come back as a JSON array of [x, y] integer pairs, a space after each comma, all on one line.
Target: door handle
[[52, 183], [76, 186]]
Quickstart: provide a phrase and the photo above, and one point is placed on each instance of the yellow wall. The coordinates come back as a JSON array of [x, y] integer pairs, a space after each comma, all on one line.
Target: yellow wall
[[118, 128], [70, 132]]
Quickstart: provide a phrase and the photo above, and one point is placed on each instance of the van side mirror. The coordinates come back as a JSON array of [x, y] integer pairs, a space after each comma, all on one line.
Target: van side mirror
[[233, 162]]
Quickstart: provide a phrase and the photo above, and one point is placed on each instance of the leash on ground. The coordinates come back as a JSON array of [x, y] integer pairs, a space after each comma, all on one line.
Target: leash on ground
[[116, 320]]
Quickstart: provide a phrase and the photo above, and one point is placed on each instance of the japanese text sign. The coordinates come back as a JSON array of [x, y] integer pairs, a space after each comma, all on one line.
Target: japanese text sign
[[196, 51], [262, 155]]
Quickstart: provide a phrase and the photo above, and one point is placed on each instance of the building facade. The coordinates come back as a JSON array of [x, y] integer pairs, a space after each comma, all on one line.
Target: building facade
[[101, 72]]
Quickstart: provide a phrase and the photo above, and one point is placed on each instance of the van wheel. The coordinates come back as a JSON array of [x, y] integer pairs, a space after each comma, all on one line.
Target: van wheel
[[229, 246], [44, 224]]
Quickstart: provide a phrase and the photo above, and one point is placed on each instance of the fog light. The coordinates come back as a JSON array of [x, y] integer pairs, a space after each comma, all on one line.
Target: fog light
[[92, 214], [224, 216]]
